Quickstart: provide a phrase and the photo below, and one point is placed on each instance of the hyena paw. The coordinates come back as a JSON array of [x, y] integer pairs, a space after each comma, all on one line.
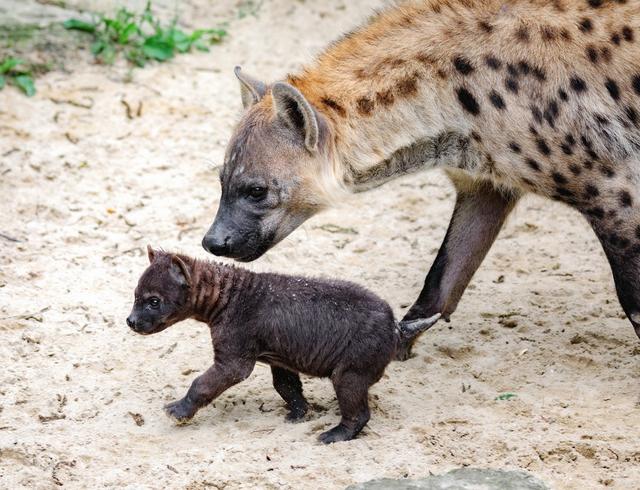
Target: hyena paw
[[295, 415], [181, 410], [338, 434]]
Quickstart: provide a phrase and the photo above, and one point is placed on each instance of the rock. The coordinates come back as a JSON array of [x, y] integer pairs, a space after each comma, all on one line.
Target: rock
[[32, 335], [460, 479]]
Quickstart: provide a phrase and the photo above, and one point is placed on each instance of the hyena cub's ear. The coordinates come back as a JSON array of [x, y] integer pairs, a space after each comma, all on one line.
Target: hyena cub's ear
[[151, 253], [181, 270], [251, 90], [296, 111]]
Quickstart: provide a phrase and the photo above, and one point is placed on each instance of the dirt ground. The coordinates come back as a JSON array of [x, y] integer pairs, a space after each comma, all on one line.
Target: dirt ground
[[84, 188]]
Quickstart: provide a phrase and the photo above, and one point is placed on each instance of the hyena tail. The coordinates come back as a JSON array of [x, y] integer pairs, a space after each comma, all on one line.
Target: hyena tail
[[409, 329]]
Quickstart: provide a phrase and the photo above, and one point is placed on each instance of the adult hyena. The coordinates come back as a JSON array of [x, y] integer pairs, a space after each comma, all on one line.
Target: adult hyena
[[508, 97]]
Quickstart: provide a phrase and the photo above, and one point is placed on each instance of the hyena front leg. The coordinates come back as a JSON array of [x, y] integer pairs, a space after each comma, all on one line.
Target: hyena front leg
[[208, 386], [478, 216]]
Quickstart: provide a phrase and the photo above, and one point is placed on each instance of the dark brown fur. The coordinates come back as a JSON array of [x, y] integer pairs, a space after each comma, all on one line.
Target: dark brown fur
[[324, 328]]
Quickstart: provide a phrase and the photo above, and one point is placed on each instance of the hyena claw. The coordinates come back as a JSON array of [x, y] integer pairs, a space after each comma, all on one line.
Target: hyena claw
[[180, 410], [411, 328], [295, 415]]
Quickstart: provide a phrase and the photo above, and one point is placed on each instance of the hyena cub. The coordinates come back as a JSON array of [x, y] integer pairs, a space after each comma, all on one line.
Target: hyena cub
[[325, 328]]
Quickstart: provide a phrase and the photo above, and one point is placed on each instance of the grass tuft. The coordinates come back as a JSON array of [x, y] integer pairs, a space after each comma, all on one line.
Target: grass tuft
[[14, 71], [141, 37]]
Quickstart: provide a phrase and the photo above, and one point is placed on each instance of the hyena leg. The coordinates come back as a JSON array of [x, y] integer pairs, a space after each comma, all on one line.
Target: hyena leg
[[352, 391], [207, 387], [289, 387], [478, 216], [623, 252]]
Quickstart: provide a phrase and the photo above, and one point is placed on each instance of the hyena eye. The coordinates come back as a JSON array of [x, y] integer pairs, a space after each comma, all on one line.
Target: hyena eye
[[257, 192], [154, 302]]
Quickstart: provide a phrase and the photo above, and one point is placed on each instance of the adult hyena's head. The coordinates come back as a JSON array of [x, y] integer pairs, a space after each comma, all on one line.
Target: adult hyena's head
[[273, 173]]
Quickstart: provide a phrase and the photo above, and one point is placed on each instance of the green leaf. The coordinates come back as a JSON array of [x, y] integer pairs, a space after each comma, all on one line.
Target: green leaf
[[25, 83], [2, 82], [181, 41], [97, 47], [197, 34], [126, 33], [9, 64], [137, 57], [113, 27], [200, 46], [79, 25], [506, 396], [157, 49]]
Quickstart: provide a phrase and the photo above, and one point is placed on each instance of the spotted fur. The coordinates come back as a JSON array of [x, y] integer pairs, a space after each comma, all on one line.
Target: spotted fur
[[512, 97]]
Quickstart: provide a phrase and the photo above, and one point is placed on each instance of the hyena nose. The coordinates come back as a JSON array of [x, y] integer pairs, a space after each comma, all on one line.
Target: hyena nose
[[215, 244], [130, 322]]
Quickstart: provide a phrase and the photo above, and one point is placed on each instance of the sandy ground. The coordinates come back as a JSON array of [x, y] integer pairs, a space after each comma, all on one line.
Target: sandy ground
[[84, 188]]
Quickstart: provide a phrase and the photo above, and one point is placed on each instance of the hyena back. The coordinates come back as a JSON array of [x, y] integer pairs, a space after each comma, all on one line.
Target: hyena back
[[507, 97]]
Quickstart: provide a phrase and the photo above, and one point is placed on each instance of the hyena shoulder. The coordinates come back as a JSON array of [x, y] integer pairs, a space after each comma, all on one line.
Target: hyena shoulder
[[535, 87]]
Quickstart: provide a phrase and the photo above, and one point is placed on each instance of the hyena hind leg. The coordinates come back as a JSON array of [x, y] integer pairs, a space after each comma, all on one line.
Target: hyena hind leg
[[289, 387], [622, 248], [352, 391]]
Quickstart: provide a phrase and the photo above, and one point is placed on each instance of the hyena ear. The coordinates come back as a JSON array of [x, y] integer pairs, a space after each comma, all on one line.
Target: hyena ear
[[251, 90], [296, 111], [182, 269], [151, 253]]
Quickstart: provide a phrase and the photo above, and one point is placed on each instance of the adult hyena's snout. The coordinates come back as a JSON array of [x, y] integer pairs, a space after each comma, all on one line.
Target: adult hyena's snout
[[217, 242], [221, 239], [235, 236], [225, 239]]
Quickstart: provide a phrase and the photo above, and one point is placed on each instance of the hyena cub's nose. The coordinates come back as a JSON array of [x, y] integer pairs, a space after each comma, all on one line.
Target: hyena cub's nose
[[216, 244], [130, 322]]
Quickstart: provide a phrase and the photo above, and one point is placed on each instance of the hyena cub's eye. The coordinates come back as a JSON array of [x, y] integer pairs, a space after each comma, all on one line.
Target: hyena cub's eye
[[257, 192], [154, 302]]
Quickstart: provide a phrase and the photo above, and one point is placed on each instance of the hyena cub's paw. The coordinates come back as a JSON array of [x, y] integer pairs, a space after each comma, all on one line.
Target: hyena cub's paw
[[338, 434], [296, 414], [181, 411]]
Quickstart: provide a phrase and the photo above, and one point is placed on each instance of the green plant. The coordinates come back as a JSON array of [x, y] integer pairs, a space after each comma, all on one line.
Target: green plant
[[506, 396], [15, 72], [142, 37]]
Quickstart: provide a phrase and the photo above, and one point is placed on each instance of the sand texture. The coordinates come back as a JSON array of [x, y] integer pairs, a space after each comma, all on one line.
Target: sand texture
[[86, 183]]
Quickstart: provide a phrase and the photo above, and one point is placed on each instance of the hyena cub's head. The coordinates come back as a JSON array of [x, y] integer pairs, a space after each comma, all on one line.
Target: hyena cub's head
[[162, 294], [273, 173]]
